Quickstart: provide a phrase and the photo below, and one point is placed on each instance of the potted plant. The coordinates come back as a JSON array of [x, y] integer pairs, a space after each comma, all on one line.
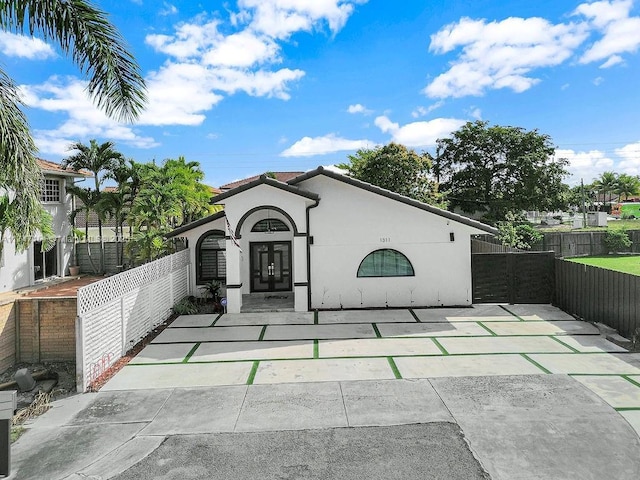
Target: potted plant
[[212, 289]]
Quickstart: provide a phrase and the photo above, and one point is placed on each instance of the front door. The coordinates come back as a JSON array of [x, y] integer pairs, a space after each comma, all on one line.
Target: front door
[[270, 266], [45, 264]]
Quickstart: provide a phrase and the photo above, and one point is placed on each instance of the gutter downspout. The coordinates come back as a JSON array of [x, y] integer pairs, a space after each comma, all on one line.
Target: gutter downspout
[[309, 254]]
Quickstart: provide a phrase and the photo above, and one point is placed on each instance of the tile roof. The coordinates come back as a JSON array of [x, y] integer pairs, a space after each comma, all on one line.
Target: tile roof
[[52, 167], [280, 176]]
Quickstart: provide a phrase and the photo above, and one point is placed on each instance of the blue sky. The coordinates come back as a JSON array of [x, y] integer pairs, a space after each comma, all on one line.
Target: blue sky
[[249, 86]]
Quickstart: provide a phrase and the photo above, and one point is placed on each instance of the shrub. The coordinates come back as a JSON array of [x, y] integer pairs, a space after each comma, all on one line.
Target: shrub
[[617, 240], [185, 307], [515, 232]]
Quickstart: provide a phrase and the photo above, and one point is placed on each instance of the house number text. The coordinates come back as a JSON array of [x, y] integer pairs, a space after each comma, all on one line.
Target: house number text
[[385, 239]]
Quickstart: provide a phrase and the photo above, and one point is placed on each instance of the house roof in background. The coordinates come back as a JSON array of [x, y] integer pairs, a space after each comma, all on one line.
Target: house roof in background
[[280, 176], [55, 168]]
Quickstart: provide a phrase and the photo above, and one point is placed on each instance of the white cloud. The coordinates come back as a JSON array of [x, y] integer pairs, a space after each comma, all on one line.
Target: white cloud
[[630, 162], [418, 134], [308, 146], [13, 45], [422, 111], [621, 32], [168, 9], [584, 165], [281, 18], [359, 108], [500, 54], [598, 81], [67, 96]]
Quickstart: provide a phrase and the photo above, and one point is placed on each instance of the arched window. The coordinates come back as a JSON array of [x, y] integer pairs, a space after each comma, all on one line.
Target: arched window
[[211, 259], [385, 263], [270, 225]]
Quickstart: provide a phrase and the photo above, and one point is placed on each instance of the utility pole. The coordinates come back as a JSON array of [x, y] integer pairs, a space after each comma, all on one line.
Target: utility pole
[[584, 205]]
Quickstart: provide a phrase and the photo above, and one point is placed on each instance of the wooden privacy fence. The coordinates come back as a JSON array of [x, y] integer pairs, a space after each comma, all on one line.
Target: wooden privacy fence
[[599, 295], [514, 277], [576, 244]]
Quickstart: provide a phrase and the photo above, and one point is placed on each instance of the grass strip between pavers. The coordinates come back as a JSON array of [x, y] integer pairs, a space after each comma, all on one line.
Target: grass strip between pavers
[[511, 313], [631, 380], [315, 317], [524, 355], [316, 349], [217, 318], [627, 409], [191, 352], [375, 329], [262, 332], [252, 373], [489, 330], [394, 368], [413, 314], [440, 347], [574, 350]]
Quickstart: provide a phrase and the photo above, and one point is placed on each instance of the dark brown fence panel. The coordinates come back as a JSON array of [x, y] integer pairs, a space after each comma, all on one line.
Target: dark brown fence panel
[[513, 277], [599, 295], [579, 244]]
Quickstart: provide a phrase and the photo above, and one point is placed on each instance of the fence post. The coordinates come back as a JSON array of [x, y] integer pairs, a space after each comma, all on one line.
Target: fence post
[[80, 360]]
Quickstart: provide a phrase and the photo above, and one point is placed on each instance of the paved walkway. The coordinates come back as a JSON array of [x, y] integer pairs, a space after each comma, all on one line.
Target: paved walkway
[[536, 395], [289, 347]]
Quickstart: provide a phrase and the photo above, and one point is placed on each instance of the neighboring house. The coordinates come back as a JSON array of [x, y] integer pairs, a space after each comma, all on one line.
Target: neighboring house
[[21, 269], [335, 242]]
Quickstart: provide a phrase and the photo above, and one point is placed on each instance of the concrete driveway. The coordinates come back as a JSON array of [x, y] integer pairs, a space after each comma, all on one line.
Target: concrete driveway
[[509, 392]]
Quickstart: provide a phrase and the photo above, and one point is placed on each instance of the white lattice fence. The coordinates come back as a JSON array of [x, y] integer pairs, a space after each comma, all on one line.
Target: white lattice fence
[[116, 313]]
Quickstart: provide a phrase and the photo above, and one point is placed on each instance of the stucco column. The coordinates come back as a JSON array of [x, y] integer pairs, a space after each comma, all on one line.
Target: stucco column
[[234, 280], [300, 285]]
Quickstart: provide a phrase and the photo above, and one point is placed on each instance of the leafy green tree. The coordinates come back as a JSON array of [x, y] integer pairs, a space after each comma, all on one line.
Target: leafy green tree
[[627, 185], [496, 169], [115, 84], [514, 231], [617, 240], [396, 168]]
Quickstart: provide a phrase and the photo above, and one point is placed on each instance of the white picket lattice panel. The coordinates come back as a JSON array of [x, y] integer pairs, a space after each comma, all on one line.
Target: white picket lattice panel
[[119, 311], [94, 295]]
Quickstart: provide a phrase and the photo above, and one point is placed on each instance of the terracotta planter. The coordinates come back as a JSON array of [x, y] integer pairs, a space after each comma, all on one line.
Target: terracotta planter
[[74, 270]]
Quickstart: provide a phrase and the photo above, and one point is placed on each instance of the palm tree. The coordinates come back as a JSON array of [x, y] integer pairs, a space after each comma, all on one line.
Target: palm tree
[[627, 185], [115, 84], [606, 183], [100, 160], [88, 201]]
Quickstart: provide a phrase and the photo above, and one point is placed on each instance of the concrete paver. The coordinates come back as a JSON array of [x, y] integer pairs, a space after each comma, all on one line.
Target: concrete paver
[[266, 318], [542, 312], [194, 320], [162, 353], [392, 402], [122, 407], [573, 327], [590, 364], [376, 347], [633, 417], [365, 316], [323, 370], [443, 314], [431, 329], [558, 428], [138, 377], [198, 410], [305, 332], [462, 366], [590, 344], [263, 350], [292, 407], [531, 344], [214, 334], [616, 391]]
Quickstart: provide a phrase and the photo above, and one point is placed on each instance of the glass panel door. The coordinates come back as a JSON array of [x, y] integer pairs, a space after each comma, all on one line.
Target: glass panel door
[[270, 265]]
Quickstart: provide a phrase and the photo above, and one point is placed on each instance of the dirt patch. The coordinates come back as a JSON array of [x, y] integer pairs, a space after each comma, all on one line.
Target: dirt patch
[[65, 372]]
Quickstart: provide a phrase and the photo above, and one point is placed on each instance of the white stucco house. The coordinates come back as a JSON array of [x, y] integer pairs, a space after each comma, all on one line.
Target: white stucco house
[[332, 242], [25, 268]]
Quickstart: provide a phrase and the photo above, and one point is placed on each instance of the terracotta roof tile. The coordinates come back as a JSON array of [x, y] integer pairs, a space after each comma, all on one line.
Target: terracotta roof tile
[[280, 176], [52, 167]]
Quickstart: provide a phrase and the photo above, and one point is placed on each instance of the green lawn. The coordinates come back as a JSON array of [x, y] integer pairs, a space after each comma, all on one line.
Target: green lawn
[[619, 263], [623, 224]]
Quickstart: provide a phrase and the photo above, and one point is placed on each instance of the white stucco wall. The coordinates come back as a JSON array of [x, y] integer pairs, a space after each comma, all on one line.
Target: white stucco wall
[[16, 268], [350, 223]]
